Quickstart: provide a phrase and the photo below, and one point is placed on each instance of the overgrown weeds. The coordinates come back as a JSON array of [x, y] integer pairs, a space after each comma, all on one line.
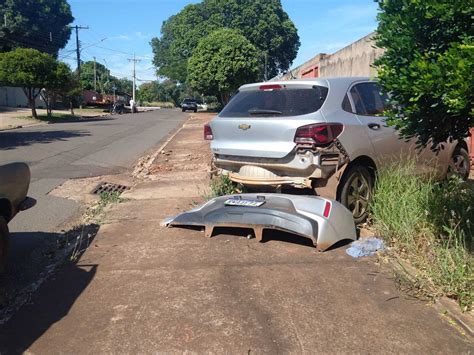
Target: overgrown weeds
[[221, 185], [96, 211], [430, 225]]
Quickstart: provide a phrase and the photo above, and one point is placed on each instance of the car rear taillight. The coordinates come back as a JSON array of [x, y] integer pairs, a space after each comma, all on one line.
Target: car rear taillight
[[319, 134], [208, 132]]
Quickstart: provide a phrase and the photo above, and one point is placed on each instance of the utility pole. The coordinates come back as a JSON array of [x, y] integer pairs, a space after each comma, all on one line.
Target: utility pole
[[95, 77], [78, 45], [134, 60]]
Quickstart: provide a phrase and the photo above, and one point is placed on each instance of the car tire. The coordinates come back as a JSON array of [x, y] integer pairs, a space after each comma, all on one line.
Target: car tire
[[356, 189], [459, 164], [4, 243], [182, 110], [195, 110]]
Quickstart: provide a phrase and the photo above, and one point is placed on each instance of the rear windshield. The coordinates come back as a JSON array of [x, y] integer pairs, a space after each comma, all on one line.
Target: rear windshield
[[276, 103], [189, 101]]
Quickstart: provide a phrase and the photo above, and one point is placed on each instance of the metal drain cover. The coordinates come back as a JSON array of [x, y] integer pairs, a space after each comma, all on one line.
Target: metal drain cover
[[108, 187]]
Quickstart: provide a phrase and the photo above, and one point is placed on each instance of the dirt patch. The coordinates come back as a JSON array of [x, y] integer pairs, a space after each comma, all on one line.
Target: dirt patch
[[186, 152]]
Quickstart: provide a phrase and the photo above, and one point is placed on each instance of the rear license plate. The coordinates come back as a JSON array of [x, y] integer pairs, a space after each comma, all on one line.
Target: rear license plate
[[243, 202]]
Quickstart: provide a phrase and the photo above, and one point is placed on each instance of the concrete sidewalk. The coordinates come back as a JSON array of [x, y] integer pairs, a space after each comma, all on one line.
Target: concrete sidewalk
[[14, 117], [140, 288]]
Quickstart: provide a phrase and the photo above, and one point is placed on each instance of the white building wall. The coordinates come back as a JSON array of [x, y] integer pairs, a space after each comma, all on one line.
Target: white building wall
[[15, 97]]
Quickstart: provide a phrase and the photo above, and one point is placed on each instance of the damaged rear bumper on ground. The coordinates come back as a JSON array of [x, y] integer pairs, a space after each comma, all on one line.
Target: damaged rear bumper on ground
[[324, 221]]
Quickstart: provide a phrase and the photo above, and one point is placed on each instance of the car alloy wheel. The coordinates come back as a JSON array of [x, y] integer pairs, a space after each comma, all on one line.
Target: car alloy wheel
[[356, 192], [459, 164]]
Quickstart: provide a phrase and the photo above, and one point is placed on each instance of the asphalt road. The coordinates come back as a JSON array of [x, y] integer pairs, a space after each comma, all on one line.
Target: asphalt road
[[55, 153], [61, 151]]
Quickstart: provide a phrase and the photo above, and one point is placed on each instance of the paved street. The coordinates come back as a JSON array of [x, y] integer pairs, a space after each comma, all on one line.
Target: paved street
[[55, 153], [61, 151]]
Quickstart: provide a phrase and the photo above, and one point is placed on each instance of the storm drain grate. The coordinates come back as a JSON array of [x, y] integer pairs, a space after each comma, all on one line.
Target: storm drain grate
[[108, 187]]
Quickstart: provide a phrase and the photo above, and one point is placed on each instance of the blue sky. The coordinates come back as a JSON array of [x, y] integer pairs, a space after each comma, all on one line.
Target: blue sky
[[119, 28]]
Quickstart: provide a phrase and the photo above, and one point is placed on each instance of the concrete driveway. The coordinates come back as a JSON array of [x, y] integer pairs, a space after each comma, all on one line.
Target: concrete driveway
[[140, 288]]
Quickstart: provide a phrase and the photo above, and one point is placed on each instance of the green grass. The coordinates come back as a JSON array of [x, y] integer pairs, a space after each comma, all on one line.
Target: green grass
[[428, 225]]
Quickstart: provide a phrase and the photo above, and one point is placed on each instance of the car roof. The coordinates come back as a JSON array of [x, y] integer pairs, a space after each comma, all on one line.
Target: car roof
[[324, 81]]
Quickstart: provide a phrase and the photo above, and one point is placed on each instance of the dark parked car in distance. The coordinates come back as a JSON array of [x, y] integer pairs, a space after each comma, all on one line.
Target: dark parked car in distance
[[189, 105], [14, 185]]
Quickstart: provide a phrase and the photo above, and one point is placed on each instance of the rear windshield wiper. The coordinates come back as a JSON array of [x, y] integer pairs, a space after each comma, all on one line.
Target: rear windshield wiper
[[264, 112]]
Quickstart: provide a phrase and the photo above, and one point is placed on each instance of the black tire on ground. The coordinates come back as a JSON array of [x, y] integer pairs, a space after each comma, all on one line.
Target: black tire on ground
[[195, 110], [356, 189], [182, 110], [460, 163], [4, 243]]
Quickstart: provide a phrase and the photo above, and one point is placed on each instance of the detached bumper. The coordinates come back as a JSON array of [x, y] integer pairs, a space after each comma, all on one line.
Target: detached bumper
[[324, 221]]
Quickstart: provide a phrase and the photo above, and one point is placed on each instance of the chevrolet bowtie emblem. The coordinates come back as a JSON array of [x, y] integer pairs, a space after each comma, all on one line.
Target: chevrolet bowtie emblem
[[244, 126]]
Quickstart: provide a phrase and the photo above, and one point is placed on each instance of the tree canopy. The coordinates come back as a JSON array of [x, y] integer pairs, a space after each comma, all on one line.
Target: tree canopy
[[427, 67], [104, 80], [38, 24], [263, 22], [30, 69], [166, 91], [62, 83], [222, 62]]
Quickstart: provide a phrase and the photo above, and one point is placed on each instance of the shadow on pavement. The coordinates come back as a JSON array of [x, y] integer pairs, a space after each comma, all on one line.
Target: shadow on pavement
[[53, 300], [12, 139]]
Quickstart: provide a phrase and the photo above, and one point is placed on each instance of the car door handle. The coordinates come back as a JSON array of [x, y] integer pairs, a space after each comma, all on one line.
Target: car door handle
[[374, 126]]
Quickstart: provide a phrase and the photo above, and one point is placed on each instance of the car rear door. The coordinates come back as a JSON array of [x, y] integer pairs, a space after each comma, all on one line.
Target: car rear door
[[368, 104]]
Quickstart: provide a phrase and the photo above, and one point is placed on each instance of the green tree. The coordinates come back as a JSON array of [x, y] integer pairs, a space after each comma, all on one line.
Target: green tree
[[263, 22], [123, 86], [428, 67], [103, 76], [29, 69], [39, 24], [222, 62], [57, 83], [71, 92], [150, 92]]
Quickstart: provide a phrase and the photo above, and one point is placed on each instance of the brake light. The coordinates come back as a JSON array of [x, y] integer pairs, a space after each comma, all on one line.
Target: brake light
[[208, 132], [270, 87], [319, 134], [327, 209]]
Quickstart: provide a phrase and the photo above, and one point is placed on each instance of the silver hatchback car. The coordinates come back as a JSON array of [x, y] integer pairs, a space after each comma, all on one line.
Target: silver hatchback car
[[326, 134]]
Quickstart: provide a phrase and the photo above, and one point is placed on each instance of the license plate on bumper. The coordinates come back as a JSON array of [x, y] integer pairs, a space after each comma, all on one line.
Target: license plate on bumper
[[243, 202]]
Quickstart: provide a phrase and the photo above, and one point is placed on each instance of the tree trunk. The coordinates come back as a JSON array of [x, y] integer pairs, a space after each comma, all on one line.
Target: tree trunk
[[71, 106], [31, 102]]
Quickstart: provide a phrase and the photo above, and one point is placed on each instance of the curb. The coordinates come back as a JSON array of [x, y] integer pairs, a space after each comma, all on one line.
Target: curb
[[447, 308], [10, 128], [150, 159], [450, 309]]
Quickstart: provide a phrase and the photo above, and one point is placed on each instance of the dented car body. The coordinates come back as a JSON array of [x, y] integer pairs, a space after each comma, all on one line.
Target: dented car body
[[323, 221], [326, 134]]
